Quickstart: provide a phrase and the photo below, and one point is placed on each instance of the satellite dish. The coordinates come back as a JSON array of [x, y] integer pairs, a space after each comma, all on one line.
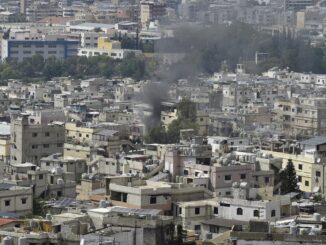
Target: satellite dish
[[318, 160]]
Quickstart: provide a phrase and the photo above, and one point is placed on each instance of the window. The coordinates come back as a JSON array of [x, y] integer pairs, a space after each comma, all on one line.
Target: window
[[214, 229], [317, 173], [185, 172], [300, 166], [242, 176], [7, 203], [180, 210], [153, 200], [266, 180], [306, 183], [273, 213], [239, 211], [197, 227], [47, 164], [215, 210], [256, 213], [40, 176], [47, 134], [223, 204], [34, 146], [197, 210], [24, 200], [59, 193], [34, 135], [227, 177], [299, 179], [46, 145], [228, 193]]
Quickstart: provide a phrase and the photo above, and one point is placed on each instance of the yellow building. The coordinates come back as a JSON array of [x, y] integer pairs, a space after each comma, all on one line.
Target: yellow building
[[78, 151], [107, 44], [4, 148], [310, 172], [79, 133]]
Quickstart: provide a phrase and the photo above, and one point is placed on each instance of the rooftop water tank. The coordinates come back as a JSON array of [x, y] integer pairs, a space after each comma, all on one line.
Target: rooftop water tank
[[293, 230], [8, 241], [316, 216], [22, 241], [103, 204]]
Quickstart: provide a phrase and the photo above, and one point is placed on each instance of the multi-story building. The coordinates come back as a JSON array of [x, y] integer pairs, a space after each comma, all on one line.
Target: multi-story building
[[30, 142], [239, 208], [40, 10], [151, 11], [74, 166], [308, 158], [53, 183], [21, 49], [16, 199], [301, 116]]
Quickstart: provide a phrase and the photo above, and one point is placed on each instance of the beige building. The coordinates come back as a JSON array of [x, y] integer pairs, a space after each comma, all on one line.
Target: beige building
[[16, 199], [309, 164], [301, 116], [4, 148], [136, 193], [151, 11], [79, 132], [30, 142]]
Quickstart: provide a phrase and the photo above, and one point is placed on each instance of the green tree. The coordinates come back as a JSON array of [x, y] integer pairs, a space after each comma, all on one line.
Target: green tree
[[186, 110], [289, 179], [38, 207], [156, 135]]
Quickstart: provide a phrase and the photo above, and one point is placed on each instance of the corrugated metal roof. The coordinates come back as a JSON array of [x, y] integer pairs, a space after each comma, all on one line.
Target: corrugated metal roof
[[319, 140]]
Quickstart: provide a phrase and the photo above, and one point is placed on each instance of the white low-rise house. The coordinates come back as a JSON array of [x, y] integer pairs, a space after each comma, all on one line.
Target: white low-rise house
[[114, 53], [236, 209]]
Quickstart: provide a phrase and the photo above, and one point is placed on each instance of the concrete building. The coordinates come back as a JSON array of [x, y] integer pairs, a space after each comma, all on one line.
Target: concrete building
[[239, 208], [43, 139], [308, 159], [303, 231], [151, 11], [16, 199], [301, 116], [123, 191], [54, 183], [74, 166], [131, 226]]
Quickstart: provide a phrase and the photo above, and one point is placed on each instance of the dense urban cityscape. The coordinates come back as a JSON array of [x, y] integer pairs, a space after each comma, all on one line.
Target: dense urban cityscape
[[162, 122]]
